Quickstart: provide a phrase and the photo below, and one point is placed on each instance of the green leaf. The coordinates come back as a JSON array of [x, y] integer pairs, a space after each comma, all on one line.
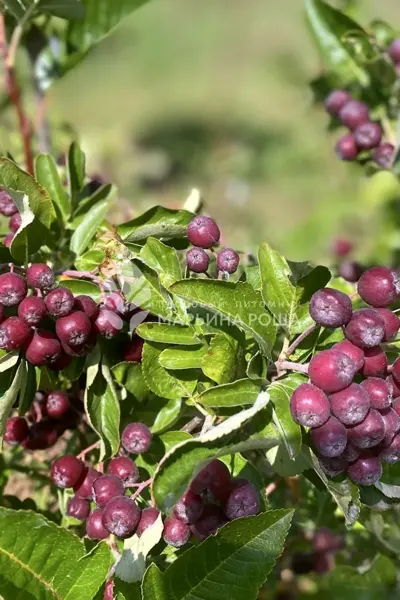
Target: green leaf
[[9, 393], [278, 292], [29, 386], [280, 393], [221, 361], [38, 559], [9, 360], [159, 222], [129, 375], [163, 260], [234, 564], [47, 175], [165, 442], [162, 382], [238, 303], [76, 164], [164, 333], [90, 260], [102, 193], [182, 358], [79, 286], [88, 228], [146, 292], [167, 416], [65, 9], [239, 393]]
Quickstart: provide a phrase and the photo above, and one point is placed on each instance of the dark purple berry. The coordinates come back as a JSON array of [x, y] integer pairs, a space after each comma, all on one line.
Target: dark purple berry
[[390, 453], [78, 508], [14, 334], [197, 260], [7, 204], [203, 232], [60, 302], [148, 517], [95, 529], [330, 308], [61, 363], [87, 305], [375, 362], [336, 100], [350, 271], [350, 453], [331, 370], [84, 487], [74, 329], [392, 424], [66, 471], [212, 519], [350, 405], [121, 516], [341, 247], [13, 289], [133, 350], [383, 155], [366, 328], [396, 370], [189, 508], [32, 310], [355, 353], [136, 438], [379, 286], [57, 404], [394, 50], [15, 222], [309, 406], [107, 487], [366, 470], [17, 430], [330, 439], [124, 468], [176, 533], [354, 113], [243, 501], [42, 435], [228, 260], [369, 432], [44, 348], [379, 392], [346, 147], [392, 323], [40, 276], [333, 466], [108, 324], [368, 136], [214, 478]]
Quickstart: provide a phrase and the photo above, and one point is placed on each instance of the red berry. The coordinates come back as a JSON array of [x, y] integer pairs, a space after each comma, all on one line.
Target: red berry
[[350, 405], [197, 260], [84, 487], [369, 432], [57, 404], [176, 533], [8, 240], [355, 353], [148, 517], [136, 438], [189, 508], [61, 363], [17, 430], [15, 222], [74, 329], [210, 521], [350, 271], [44, 348], [228, 260], [391, 452], [383, 155], [108, 323], [133, 350], [346, 147], [309, 406], [87, 305], [42, 435], [124, 468], [350, 453], [392, 323], [243, 501], [325, 541], [59, 302], [330, 439], [366, 470], [95, 529], [121, 516], [396, 370], [107, 487], [354, 113], [379, 286], [7, 204], [32, 310], [366, 328], [14, 334], [66, 471], [331, 371], [330, 308], [375, 362], [341, 247], [214, 478], [396, 405], [78, 508], [368, 136], [336, 100], [392, 424], [40, 276], [203, 232], [394, 50], [336, 465], [12, 289], [379, 392]]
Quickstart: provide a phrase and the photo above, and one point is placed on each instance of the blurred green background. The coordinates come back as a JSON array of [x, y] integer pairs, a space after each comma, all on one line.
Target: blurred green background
[[214, 94]]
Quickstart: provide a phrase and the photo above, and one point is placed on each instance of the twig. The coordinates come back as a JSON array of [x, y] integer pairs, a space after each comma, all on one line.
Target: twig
[[94, 446], [270, 488], [192, 425], [298, 340], [141, 487], [85, 275], [284, 365]]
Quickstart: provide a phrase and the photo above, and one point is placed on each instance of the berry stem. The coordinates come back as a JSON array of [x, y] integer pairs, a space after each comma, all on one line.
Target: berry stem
[[298, 340], [192, 425], [94, 446], [141, 487], [284, 365], [84, 275]]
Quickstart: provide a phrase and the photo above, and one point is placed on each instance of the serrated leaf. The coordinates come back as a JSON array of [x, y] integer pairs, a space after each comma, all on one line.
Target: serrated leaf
[[238, 303], [146, 292], [165, 333], [280, 393], [388, 490], [88, 228], [159, 222], [163, 383], [182, 358], [79, 286], [90, 260], [9, 393], [47, 175], [38, 559], [163, 260], [130, 376], [234, 564], [132, 564], [243, 392], [221, 361]]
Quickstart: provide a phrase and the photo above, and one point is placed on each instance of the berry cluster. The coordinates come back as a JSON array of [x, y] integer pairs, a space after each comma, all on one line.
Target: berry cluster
[[354, 424], [364, 135], [204, 233]]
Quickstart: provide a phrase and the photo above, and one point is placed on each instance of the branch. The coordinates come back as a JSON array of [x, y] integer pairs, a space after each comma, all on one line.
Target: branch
[[94, 446], [284, 365], [85, 275], [298, 340]]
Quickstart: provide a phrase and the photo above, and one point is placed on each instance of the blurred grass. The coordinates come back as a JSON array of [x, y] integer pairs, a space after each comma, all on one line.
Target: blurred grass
[[214, 94]]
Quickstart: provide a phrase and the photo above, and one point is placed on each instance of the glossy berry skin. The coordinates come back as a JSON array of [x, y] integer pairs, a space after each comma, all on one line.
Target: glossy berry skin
[[57, 404], [341, 247], [350, 405], [354, 113], [108, 324], [59, 302], [215, 478], [375, 362], [368, 136], [66, 471], [176, 533], [228, 260], [330, 308], [392, 424], [15, 222], [84, 487], [133, 350], [95, 529], [309, 406], [369, 432], [44, 348], [32, 310], [14, 334], [379, 286], [189, 508], [350, 271], [203, 232], [148, 517], [333, 466], [366, 328], [17, 430], [355, 353], [87, 305], [243, 501], [366, 470], [197, 260], [350, 453], [331, 370], [7, 204], [212, 519], [391, 452], [40, 276], [335, 101], [379, 392], [107, 487], [136, 438], [74, 329], [13, 289], [346, 147], [124, 468], [394, 50], [78, 508], [383, 155], [330, 439], [392, 323], [121, 516]]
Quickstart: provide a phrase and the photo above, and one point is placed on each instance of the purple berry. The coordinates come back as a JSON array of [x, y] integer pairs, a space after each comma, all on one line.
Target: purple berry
[[124, 468], [354, 113], [203, 232], [346, 147], [243, 501], [108, 324], [375, 362], [214, 478], [176, 533], [390, 453], [42, 435], [7, 204], [44, 348], [32, 310], [15, 222], [189, 508], [369, 432], [366, 470], [17, 430], [394, 50], [392, 424], [309, 406], [366, 328], [133, 350], [212, 519], [392, 323], [95, 529], [148, 517], [350, 405], [330, 308], [379, 392], [66, 471], [59, 302], [8, 240], [14, 334], [368, 136], [87, 305], [355, 353], [13, 289], [350, 453], [336, 100], [333, 466], [84, 487], [136, 438], [341, 247], [197, 260], [40, 276], [57, 404], [383, 155], [331, 371], [78, 508], [379, 286], [107, 487], [396, 370], [121, 516], [228, 260], [350, 271], [330, 439], [74, 329]]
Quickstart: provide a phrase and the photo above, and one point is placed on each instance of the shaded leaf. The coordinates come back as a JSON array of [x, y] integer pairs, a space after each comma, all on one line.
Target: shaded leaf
[[239, 393], [159, 222], [9, 392], [47, 175], [280, 392], [79, 286], [132, 564], [162, 382], [88, 227]]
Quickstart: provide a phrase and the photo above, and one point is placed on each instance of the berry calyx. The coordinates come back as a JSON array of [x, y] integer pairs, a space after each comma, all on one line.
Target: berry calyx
[[32, 310], [95, 529], [379, 286], [74, 329], [121, 516], [331, 370], [40, 276], [176, 533], [108, 324], [330, 308], [136, 438], [243, 501], [87, 305], [366, 328], [228, 260], [57, 404], [346, 147], [133, 350], [203, 232], [189, 508], [354, 113], [368, 136], [17, 430], [124, 468], [78, 508], [350, 405], [336, 101], [197, 260], [369, 432], [148, 517], [330, 439], [309, 406], [365, 470], [59, 302], [379, 392], [14, 334], [44, 348], [105, 488], [66, 471], [13, 289]]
